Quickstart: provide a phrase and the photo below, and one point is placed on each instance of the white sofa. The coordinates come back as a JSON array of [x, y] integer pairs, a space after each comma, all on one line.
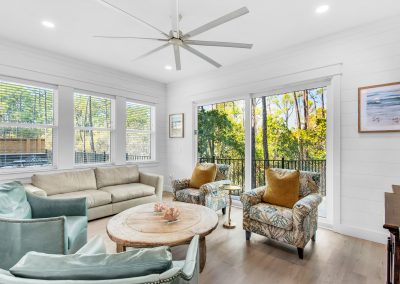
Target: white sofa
[[108, 190]]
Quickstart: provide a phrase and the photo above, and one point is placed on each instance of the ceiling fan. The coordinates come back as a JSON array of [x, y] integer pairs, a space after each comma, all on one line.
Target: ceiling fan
[[177, 39]]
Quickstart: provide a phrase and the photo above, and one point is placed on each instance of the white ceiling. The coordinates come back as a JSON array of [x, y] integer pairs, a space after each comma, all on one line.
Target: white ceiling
[[270, 25]]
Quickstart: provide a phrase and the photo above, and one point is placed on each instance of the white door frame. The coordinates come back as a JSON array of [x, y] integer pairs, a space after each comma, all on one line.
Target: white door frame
[[329, 76]]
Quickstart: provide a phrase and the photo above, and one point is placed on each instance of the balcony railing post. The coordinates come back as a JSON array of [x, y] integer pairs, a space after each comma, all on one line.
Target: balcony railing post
[[283, 162]]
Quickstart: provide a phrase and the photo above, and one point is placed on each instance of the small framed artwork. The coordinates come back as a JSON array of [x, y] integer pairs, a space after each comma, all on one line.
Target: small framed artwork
[[379, 108], [176, 125]]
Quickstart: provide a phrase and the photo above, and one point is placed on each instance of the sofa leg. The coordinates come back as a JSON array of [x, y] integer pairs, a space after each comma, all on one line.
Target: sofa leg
[[300, 252], [248, 235], [313, 237], [224, 210]]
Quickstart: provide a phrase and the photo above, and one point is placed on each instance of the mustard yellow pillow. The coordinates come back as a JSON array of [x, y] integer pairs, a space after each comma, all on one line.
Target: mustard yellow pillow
[[283, 188], [202, 174]]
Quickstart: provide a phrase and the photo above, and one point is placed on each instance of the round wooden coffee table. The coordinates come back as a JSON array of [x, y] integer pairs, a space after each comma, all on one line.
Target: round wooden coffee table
[[141, 227]]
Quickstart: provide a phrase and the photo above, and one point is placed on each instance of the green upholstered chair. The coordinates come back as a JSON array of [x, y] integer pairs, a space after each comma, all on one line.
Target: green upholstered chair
[[57, 226], [181, 272]]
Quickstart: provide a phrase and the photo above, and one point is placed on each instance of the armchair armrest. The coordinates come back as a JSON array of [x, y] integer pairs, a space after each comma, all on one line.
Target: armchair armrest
[[179, 184], [47, 235], [35, 190], [252, 197], [191, 266], [304, 206], [213, 186], [43, 207], [157, 181]]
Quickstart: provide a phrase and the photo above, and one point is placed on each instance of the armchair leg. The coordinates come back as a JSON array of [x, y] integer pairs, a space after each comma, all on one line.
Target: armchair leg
[[300, 252], [248, 235], [313, 237], [224, 210]]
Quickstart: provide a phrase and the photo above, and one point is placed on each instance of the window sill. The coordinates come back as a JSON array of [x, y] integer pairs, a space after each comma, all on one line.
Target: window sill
[[26, 170]]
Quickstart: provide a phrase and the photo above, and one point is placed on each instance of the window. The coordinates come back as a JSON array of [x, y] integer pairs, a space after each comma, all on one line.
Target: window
[[26, 125], [139, 132], [93, 126]]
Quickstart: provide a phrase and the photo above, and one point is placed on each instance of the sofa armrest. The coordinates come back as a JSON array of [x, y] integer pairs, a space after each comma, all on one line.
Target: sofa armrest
[[213, 186], [252, 197], [304, 206], [34, 190], [157, 181], [179, 184], [43, 207]]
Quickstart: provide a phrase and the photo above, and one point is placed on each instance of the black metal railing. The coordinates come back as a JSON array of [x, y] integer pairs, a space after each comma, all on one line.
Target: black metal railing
[[237, 173]]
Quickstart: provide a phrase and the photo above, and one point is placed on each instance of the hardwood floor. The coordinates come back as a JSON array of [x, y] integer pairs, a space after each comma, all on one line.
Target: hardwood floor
[[333, 258]]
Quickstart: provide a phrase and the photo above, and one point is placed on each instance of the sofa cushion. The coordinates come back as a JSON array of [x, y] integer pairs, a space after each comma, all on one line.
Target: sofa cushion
[[116, 175], [128, 191], [273, 215], [75, 226], [188, 195], [94, 197], [133, 263], [13, 202], [222, 172], [65, 182]]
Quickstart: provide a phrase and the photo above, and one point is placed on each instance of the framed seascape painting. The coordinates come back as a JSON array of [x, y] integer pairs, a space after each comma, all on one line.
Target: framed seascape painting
[[176, 125], [379, 108]]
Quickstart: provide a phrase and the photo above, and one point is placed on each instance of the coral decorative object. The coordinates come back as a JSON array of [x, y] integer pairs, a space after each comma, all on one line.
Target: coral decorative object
[[171, 214], [160, 207]]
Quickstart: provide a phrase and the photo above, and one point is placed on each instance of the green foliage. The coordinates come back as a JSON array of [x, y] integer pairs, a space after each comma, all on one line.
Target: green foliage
[[219, 134], [221, 131]]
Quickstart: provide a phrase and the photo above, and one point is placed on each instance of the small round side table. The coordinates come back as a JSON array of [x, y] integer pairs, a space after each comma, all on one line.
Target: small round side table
[[228, 223]]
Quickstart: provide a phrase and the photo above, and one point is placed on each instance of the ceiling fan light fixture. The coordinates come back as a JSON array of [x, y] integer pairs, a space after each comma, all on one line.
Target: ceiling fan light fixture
[[322, 9], [168, 67]]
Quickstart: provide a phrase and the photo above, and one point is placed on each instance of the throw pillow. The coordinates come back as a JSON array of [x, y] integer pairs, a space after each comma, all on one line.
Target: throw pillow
[[134, 263], [13, 202], [202, 174], [283, 188]]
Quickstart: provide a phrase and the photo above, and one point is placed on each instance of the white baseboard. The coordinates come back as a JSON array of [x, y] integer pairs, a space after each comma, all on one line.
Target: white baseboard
[[373, 236]]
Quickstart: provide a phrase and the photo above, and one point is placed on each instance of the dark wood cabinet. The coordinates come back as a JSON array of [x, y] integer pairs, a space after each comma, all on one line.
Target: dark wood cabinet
[[392, 223]]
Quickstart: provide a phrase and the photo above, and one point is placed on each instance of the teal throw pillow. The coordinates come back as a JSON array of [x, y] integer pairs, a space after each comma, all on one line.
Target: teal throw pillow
[[13, 202], [133, 263]]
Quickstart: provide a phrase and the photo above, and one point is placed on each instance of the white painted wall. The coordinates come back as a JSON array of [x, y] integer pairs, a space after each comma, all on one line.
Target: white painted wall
[[370, 163], [25, 63]]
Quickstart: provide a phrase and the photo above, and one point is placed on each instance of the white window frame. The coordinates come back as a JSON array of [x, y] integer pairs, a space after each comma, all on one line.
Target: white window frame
[[152, 131], [111, 129], [53, 126]]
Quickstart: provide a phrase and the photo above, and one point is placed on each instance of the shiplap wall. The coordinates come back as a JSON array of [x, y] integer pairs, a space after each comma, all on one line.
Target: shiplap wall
[[25, 63], [370, 163]]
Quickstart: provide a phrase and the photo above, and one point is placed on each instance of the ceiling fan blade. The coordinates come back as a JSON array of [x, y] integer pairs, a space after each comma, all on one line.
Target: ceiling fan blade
[[177, 57], [107, 3], [219, 43], [201, 55], [130, 37], [152, 51], [228, 17], [175, 17]]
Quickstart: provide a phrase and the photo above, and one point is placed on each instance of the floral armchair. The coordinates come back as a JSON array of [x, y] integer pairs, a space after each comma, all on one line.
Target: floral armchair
[[294, 226], [208, 195]]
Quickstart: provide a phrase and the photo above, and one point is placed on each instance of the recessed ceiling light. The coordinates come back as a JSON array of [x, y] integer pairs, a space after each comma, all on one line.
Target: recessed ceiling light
[[48, 24], [322, 9], [168, 67]]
